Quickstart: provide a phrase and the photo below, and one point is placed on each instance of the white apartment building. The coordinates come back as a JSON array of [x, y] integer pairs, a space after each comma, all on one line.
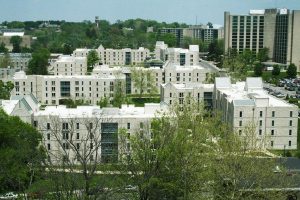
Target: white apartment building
[[68, 65], [49, 90], [177, 56], [177, 93], [246, 103], [125, 56], [81, 52], [89, 127], [85, 127], [18, 62], [169, 73]]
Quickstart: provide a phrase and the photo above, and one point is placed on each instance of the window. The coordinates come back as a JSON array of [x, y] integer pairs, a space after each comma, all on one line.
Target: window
[[272, 132], [290, 132], [48, 126], [170, 102], [273, 122], [77, 136], [65, 126], [273, 113], [291, 122], [77, 146], [77, 125], [91, 145], [35, 123], [48, 146], [260, 131], [291, 113], [141, 125], [128, 125], [272, 143], [290, 143], [170, 94], [240, 132], [48, 136], [240, 123], [91, 125], [260, 113], [65, 135], [260, 122], [241, 113]]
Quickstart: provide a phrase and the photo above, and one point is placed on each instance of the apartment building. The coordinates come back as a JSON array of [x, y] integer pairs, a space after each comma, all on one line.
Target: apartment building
[[49, 90], [200, 32], [276, 29], [68, 65], [85, 127], [17, 62], [125, 56], [177, 55], [89, 127], [246, 104], [81, 52], [170, 72], [172, 93]]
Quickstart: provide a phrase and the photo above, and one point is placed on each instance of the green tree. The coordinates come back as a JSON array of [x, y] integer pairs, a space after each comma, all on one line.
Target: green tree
[[39, 62], [169, 39], [92, 59], [258, 69], [3, 49], [291, 71], [263, 55], [119, 94], [16, 42], [5, 60], [276, 70], [67, 49], [20, 154], [143, 81], [189, 154], [5, 89]]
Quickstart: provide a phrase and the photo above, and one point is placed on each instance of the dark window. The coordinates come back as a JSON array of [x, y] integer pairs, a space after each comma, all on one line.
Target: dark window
[[260, 113], [241, 114], [128, 125]]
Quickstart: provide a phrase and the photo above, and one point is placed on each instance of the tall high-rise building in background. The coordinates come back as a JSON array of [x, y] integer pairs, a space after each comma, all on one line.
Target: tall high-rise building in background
[[276, 29]]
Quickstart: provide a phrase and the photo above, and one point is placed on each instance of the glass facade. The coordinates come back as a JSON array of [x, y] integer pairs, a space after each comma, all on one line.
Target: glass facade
[[109, 142], [281, 39], [65, 89]]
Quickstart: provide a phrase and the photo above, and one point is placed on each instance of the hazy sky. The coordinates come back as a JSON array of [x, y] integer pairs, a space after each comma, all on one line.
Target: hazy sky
[[160, 10]]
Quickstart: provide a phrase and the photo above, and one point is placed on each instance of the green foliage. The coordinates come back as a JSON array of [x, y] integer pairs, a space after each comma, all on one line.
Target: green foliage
[[291, 71], [263, 55], [215, 51], [258, 69], [140, 102], [20, 154], [3, 49], [16, 42], [5, 60], [39, 62], [143, 81], [92, 58], [189, 153], [169, 39], [119, 95], [103, 102], [276, 70], [72, 104], [5, 89]]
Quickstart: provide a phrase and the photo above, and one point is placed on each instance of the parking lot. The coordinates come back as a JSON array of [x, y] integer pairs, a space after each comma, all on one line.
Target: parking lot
[[284, 87]]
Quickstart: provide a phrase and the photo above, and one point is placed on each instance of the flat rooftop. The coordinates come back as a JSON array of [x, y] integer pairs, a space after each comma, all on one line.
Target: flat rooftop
[[150, 110]]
